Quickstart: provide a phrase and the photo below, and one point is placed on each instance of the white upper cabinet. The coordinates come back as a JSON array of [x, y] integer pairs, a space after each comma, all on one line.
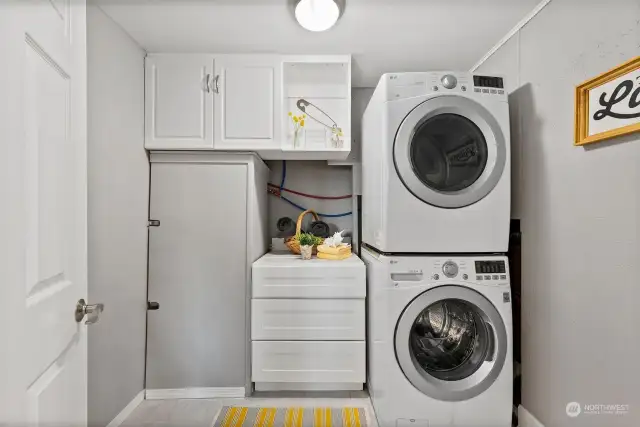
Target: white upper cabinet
[[246, 102], [179, 102], [242, 103]]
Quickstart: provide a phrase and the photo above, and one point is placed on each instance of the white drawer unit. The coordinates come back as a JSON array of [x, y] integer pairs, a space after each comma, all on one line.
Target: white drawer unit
[[289, 276], [308, 323], [313, 319], [309, 361]]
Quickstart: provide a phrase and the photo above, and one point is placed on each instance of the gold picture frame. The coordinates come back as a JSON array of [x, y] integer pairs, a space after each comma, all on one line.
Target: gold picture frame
[[582, 112]]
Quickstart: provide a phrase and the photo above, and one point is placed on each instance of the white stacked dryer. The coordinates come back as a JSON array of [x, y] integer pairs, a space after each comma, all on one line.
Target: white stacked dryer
[[436, 195], [436, 164]]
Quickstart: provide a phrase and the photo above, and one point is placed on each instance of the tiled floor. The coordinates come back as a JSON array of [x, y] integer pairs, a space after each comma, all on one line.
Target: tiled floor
[[202, 412]]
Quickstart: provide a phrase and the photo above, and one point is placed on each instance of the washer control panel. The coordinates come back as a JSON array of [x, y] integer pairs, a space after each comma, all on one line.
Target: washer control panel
[[489, 270]]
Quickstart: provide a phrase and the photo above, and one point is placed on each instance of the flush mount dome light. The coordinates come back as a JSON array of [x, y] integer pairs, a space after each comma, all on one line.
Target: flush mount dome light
[[318, 15]]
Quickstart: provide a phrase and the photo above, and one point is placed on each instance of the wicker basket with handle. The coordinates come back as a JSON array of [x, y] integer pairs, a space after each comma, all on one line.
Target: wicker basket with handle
[[292, 242]]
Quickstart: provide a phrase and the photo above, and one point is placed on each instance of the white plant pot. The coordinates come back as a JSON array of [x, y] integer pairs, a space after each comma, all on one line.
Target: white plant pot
[[306, 252]]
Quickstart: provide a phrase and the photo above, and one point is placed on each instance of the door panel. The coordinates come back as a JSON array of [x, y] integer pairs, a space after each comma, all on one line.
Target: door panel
[[198, 275], [44, 78], [444, 347], [247, 102], [450, 152], [179, 101]]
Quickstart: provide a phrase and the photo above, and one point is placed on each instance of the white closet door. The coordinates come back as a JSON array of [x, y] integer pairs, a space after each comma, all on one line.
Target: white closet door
[[198, 275], [179, 101]]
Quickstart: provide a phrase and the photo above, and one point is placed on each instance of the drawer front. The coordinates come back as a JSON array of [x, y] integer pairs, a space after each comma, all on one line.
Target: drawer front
[[311, 319], [308, 361], [309, 283]]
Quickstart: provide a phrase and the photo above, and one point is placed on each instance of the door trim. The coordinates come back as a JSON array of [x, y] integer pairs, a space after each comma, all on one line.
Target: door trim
[[494, 138], [452, 391]]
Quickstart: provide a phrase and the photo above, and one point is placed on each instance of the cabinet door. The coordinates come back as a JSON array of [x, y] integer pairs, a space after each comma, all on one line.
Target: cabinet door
[[198, 275], [179, 102], [247, 101]]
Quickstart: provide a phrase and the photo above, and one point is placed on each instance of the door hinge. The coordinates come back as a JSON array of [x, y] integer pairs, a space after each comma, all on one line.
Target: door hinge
[[154, 223]]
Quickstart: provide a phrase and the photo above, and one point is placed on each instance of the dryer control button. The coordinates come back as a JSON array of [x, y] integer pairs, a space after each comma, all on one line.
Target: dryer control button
[[450, 269], [449, 81]]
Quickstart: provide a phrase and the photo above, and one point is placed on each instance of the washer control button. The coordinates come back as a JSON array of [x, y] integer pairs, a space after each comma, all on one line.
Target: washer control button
[[487, 277], [435, 88], [503, 277], [495, 277], [449, 81], [479, 277], [450, 269], [465, 277], [436, 276]]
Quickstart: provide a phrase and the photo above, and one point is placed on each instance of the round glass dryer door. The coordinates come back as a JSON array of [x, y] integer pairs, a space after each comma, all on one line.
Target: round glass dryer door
[[450, 152], [451, 343]]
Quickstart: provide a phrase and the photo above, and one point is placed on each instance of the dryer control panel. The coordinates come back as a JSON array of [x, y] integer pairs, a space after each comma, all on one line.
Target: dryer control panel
[[409, 85]]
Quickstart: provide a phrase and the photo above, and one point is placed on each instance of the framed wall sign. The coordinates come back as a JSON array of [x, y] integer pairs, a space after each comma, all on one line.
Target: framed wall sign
[[609, 105]]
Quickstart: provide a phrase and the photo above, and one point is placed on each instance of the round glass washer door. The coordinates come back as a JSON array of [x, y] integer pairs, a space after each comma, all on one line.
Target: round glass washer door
[[450, 152], [451, 343]]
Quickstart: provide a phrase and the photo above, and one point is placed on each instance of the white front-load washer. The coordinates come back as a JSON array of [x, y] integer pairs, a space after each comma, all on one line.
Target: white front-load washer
[[440, 340], [436, 174]]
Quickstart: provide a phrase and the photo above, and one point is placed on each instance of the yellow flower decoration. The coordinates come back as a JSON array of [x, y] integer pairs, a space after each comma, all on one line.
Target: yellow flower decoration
[[302, 122], [290, 114], [295, 119]]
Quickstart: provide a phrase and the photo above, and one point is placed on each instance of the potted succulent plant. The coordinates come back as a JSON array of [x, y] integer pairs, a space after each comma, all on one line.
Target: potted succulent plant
[[307, 242]]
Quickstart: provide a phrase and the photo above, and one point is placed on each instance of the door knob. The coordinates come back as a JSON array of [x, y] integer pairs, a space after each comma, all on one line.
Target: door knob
[[92, 311]]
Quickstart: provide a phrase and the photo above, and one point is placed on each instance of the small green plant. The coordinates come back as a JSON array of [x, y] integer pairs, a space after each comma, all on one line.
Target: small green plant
[[307, 239]]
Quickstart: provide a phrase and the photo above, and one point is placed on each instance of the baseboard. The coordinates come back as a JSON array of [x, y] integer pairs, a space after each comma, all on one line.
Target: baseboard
[[195, 393], [309, 386], [127, 410], [526, 419]]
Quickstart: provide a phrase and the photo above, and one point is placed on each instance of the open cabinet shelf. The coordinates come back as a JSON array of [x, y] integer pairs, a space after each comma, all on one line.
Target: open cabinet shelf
[[326, 86]]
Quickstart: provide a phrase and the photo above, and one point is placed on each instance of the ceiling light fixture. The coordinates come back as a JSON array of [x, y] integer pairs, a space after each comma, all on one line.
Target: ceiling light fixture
[[318, 15]]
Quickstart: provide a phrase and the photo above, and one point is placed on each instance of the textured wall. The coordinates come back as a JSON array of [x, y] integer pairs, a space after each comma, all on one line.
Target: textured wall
[[118, 172], [580, 211]]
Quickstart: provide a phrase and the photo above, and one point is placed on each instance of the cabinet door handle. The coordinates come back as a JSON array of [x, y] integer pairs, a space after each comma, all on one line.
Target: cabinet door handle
[[216, 83], [207, 83]]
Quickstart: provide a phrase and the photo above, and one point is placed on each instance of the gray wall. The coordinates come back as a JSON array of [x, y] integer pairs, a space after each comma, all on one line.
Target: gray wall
[[118, 204], [580, 211], [317, 177]]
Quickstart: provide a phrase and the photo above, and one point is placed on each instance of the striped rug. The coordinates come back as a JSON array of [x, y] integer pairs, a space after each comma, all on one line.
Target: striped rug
[[239, 416]]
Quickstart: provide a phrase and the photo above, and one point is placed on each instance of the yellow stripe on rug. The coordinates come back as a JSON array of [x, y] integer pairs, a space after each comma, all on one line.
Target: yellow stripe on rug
[[240, 416]]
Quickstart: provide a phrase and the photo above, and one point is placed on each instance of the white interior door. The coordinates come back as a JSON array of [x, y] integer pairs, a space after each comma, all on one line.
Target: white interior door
[[43, 228]]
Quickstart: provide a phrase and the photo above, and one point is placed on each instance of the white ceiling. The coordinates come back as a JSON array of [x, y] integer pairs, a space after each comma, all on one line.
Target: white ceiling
[[383, 35]]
